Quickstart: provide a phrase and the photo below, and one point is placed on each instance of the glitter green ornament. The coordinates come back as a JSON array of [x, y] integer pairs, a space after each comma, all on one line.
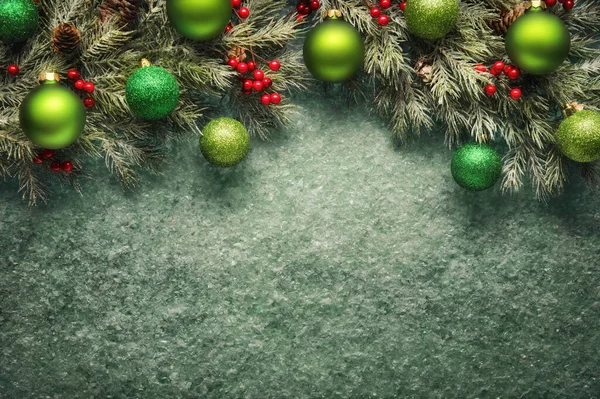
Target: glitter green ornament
[[431, 19], [199, 19], [151, 92], [476, 167], [334, 50], [224, 142], [51, 115], [19, 19], [578, 136]]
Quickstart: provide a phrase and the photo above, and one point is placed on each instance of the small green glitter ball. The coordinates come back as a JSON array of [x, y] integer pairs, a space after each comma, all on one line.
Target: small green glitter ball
[[431, 19], [152, 93], [224, 142], [476, 167], [579, 136], [19, 19]]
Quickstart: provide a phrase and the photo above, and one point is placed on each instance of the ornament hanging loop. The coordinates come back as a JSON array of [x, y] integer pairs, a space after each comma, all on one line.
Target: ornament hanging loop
[[570, 108], [144, 63]]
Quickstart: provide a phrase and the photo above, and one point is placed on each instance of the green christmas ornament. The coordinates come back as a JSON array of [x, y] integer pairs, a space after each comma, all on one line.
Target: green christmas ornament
[[538, 42], [199, 19], [476, 167], [19, 19], [151, 92], [334, 50], [579, 136], [224, 142], [51, 115], [431, 19]]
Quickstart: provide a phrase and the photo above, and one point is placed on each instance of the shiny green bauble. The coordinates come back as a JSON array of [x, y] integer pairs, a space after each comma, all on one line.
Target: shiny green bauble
[[224, 142], [152, 93], [476, 167], [431, 19], [334, 51], [538, 42], [579, 136], [199, 19], [52, 116], [19, 19]]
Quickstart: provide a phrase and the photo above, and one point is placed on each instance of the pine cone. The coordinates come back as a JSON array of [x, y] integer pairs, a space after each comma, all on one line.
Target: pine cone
[[424, 70], [66, 38], [237, 53], [125, 9], [508, 16]]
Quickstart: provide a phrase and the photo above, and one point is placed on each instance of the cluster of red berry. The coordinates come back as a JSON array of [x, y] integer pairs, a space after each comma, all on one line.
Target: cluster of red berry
[[241, 12], [55, 166], [82, 86], [305, 7], [567, 4], [260, 82], [383, 19], [499, 68]]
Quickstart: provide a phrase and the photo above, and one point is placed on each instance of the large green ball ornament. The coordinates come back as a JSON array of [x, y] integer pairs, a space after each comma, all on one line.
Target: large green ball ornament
[[152, 93], [476, 167], [199, 19], [431, 19], [19, 19], [538, 42], [334, 51], [224, 142], [579, 136], [52, 116]]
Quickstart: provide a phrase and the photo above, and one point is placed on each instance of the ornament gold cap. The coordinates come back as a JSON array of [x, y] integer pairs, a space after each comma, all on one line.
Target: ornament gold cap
[[332, 14], [145, 63], [49, 77], [535, 4], [570, 108]]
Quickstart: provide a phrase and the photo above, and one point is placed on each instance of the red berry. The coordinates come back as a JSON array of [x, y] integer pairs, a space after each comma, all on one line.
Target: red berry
[[550, 3], [38, 160], [13, 70], [514, 73], [275, 98], [265, 99], [89, 87], [515, 94], [385, 3], [499, 66], [79, 84], [490, 90], [383, 20], [403, 5], [314, 4], [305, 10], [246, 92], [55, 166], [244, 12], [67, 166], [300, 6], [375, 12], [274, 65], [259, 74], [228, 28], [242, 67], [73, 74], [232, 62], [257, 85], [48, 153], [561, 1], [568, 4], [507, 69], [267, 82], [247, 85], [89, 102], [495, 72], [480, 68], [251, 65], [236, 3]]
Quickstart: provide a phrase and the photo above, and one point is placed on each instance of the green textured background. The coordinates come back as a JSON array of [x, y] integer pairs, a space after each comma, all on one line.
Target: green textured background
[[325, 265]]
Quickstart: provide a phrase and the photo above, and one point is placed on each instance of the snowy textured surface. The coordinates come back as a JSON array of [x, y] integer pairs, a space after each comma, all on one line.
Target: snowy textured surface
[[326, 265]]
